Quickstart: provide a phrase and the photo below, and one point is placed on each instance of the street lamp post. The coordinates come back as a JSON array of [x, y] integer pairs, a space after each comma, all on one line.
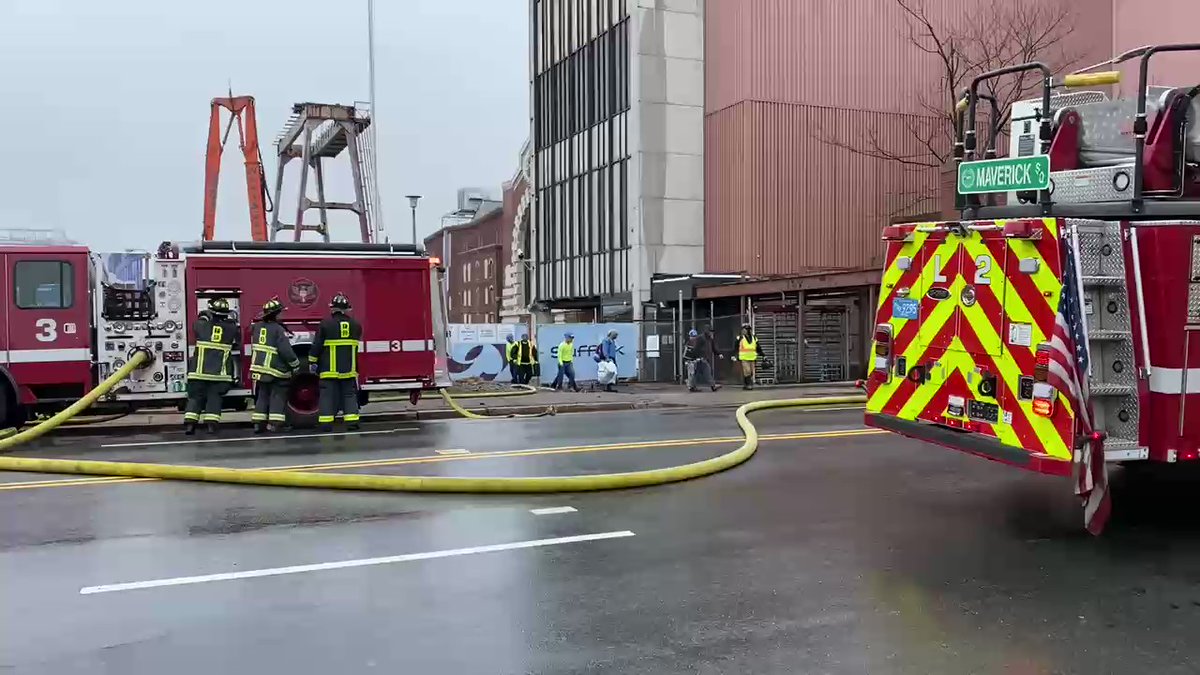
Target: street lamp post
[[412, 204]]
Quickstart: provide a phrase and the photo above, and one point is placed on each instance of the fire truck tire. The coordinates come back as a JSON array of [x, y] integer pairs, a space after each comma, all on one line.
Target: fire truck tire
[[445, 484], [303, 401]]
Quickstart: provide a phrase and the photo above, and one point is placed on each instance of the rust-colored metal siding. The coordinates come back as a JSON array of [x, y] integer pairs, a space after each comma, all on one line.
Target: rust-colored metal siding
[[1143, 22], [780, 200], [853, 53]]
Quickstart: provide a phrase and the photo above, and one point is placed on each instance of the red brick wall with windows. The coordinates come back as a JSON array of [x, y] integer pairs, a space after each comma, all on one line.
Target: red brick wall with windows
[[472, 254]]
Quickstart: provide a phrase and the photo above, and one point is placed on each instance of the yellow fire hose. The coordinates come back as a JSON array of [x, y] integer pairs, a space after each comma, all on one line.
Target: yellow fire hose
[[341, 481]]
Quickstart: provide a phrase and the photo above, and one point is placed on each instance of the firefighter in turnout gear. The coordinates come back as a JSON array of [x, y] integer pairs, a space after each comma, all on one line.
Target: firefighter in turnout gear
[[211, 366], [272, 364], [335, 353]]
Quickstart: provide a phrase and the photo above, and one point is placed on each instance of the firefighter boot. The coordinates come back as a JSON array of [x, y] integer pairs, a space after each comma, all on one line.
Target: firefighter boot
[[273, 428], [189, 428], [210, 427], [261, 427]]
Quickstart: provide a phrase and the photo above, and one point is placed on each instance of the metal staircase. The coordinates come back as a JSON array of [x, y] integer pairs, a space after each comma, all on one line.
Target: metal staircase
[[1113, 376]]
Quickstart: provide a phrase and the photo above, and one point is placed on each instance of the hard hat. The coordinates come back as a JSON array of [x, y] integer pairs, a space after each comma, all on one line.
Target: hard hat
[[569, 336], [524, 336], [340, 301], [272, 307], [509, 339], [218, 306], [692, 333]]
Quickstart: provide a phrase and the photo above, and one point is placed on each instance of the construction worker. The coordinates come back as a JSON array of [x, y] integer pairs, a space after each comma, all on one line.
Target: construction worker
[[566, 362], [525, 357], [335, 353], [272, 364], [510, 355], [749, 352], [211, 365]]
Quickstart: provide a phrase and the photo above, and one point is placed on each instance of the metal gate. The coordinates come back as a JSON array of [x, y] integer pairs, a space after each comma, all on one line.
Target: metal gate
[[777, 332], [826, 352]]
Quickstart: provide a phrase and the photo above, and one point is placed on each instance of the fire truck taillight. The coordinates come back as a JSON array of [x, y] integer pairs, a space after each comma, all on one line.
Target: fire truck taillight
[[1043, 399], [1022, 229], [1041, 363], [898, 232], [883, 346]]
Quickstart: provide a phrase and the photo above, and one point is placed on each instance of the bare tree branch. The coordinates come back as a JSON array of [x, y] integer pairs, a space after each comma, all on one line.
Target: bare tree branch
[[995, 35]]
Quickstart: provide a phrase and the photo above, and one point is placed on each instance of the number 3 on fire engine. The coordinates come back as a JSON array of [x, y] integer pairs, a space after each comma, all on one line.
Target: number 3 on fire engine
[[49, 330]]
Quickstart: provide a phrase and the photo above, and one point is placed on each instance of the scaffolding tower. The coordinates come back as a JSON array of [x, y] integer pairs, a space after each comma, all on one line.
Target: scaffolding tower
[[316, 132]]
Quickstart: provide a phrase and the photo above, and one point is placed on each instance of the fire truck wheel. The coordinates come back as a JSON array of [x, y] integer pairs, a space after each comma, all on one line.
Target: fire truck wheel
[[304, 397]]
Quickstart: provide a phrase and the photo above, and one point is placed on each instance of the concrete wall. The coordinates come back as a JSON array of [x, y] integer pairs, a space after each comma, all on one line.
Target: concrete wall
[[666, 141]]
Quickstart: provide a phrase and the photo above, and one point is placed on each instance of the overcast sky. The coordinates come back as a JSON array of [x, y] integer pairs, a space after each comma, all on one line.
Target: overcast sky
[[104, 105]]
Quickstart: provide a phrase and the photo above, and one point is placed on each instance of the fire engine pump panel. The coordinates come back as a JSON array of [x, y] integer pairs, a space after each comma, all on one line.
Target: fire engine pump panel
[[141, 302], [1097, 245]]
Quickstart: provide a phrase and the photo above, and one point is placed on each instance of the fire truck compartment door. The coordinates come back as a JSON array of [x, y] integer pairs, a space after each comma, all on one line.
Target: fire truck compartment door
[[961, 292]]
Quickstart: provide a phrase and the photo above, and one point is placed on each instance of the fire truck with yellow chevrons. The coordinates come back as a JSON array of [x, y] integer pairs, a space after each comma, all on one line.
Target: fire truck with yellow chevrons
[[1053, 326]]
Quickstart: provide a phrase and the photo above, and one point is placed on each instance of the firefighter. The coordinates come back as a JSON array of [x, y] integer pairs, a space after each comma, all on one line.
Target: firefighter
[[272, 364], [335, 353], [211, 366], [749, 352]]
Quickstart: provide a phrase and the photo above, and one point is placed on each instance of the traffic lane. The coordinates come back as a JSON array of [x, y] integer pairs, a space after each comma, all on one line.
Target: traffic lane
[[880, 555], [239, 448], [86, 509]]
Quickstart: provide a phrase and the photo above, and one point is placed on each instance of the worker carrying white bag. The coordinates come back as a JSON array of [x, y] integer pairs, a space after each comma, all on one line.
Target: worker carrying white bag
[[606, 361]]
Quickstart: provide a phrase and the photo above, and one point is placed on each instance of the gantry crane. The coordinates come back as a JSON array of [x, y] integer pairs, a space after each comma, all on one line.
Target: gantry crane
[[241, 110]]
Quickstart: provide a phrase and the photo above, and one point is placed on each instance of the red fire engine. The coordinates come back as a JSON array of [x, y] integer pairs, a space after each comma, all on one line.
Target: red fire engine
[[1054, 331], [75, 316]]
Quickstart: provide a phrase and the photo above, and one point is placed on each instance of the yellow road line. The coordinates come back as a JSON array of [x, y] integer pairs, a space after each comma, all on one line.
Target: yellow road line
[[499, 454]]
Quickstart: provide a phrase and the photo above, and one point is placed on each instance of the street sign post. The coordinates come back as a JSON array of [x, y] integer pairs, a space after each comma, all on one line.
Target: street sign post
[[1011, 174]]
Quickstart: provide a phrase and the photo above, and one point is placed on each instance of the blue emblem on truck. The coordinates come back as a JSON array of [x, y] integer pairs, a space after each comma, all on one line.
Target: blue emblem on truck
[[905, 308]]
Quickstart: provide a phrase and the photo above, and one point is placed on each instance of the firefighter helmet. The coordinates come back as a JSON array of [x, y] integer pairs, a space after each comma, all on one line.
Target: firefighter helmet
[[272, 308], [218, 306], [340, 302]]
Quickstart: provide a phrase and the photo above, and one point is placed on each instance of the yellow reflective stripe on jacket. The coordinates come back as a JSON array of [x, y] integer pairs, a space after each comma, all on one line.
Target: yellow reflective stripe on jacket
[[214, 345], [747, 350], [332, 372]]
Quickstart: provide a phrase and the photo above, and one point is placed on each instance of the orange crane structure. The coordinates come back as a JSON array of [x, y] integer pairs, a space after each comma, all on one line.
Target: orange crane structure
[[241, 111]]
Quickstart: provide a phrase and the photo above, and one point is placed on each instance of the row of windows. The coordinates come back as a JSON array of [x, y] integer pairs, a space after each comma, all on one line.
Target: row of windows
[[488, 267], [599, 146], [478, 318], [567, 24], [569, 278], [469, 295], [584, 89]]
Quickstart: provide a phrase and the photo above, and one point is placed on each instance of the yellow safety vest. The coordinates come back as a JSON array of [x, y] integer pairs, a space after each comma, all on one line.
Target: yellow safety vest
[[747, 350], [566, 352]]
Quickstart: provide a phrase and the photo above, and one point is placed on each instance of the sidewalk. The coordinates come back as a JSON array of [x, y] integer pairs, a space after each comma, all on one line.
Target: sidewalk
[[432, 406]]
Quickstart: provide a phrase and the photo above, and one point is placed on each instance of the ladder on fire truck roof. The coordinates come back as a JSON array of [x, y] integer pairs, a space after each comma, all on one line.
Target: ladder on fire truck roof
[[316, 132]]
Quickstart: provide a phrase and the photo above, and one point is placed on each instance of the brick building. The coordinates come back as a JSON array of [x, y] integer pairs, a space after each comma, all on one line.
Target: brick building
[[473, 254]]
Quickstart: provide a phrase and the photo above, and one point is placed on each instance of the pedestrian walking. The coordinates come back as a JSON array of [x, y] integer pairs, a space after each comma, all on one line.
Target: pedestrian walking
[[607, 353], [335, 356], [695, 356], [524, 359], [211, 366], [510, 356], [566, 362], [749, 352], [272, 364]]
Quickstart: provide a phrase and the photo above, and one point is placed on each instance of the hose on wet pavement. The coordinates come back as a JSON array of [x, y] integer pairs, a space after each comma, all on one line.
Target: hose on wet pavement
[[342, 481], [11, 437], [478, 416]]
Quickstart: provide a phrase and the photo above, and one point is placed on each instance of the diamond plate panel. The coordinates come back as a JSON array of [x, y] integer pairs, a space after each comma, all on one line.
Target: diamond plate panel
[[1196, 257], [1117, 415], [1100, 251], [1112, 363], [1099, 184], [1193, 312], [1111, 309]]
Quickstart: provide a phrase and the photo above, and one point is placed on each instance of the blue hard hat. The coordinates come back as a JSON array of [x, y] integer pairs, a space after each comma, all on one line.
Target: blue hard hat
[[524, 336], [509, 338], [692, 333], [569, 336]]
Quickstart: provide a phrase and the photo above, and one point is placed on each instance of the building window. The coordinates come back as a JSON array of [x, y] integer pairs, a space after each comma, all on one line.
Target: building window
[[466, 297], [491, 318], [44, 284], [487, 295], [466, 273], [487, 268]]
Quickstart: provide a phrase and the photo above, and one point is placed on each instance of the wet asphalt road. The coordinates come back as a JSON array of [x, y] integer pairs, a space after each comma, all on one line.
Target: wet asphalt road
[[823, 554]]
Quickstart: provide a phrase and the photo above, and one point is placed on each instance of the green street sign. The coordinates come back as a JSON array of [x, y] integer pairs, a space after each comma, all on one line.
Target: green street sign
[[1012, 174]]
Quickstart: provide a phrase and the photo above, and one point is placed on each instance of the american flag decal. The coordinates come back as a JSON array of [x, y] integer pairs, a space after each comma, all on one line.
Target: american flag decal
[[1068, 373]]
